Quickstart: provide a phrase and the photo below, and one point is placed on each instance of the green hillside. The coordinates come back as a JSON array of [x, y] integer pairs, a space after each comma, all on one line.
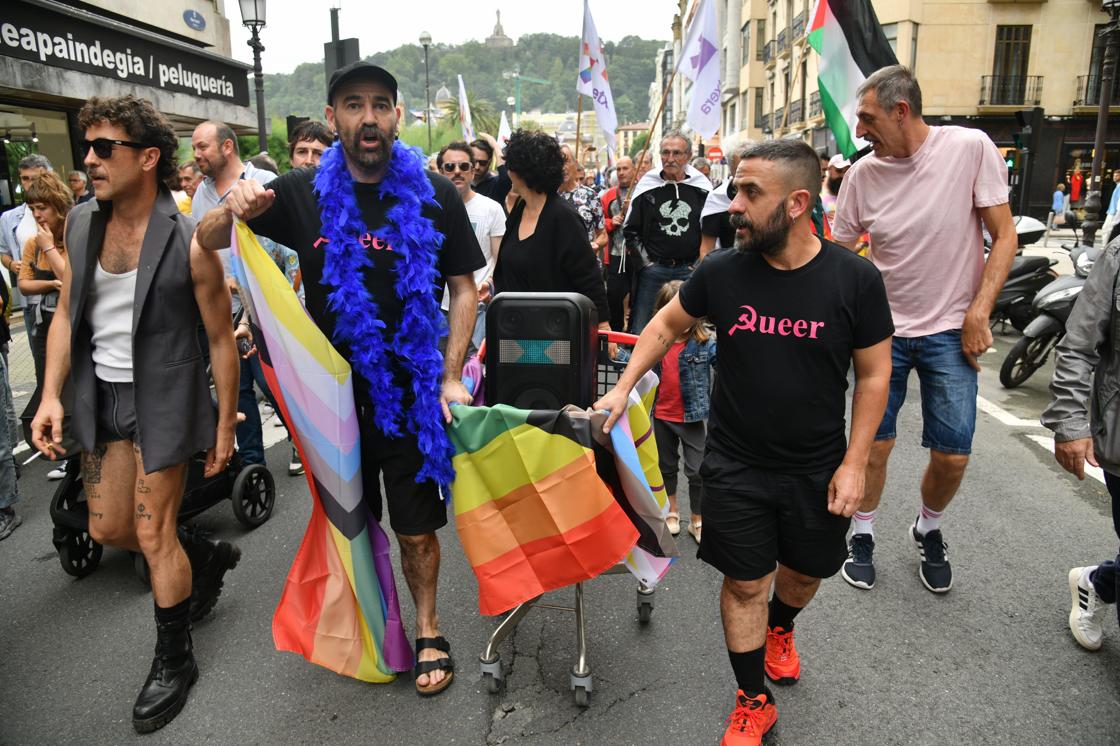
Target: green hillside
[[630, 64]]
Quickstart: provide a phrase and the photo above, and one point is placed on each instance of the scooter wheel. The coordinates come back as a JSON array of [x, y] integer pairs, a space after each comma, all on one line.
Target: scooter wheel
[[1025, 357], [253, 495]]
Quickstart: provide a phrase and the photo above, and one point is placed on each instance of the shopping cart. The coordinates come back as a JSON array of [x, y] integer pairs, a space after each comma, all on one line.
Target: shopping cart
[[580, 682]]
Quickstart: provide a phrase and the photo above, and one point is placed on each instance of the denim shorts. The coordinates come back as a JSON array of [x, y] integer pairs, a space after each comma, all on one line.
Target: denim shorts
[[948, 386]]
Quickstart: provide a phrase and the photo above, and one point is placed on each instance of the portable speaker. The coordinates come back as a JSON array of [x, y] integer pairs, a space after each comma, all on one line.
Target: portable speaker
[[541, 350]]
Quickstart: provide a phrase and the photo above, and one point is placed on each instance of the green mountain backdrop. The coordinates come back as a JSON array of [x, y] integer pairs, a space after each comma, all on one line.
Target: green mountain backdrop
[[630, 64]]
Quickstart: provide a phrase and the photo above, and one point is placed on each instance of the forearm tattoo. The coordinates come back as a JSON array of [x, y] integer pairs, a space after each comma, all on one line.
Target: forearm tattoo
[[666, 343]]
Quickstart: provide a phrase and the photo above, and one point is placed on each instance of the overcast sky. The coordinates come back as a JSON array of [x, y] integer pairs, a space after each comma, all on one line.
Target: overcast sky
[[297, 29]]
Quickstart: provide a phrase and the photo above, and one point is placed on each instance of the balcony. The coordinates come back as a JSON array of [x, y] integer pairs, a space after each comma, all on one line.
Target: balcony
[[799, 25], [779, 118], [770, 52], [1010, 90], [1089, 92], [796, 109], [815, 105], [783, 41]]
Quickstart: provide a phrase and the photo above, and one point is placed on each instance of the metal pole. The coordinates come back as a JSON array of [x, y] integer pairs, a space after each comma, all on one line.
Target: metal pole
[[579, 117], [255, 43], [1108, 73], [517, 95], [427, 100]]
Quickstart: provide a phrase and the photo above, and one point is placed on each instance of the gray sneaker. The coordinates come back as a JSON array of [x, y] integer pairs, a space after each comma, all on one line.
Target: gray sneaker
[[9, 522]]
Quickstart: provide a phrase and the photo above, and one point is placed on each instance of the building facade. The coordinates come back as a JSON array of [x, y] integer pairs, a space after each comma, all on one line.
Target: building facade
[[54, 56], [979, 62]]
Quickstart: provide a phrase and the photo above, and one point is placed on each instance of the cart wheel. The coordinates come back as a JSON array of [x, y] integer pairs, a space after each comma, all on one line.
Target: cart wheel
[[140, 567], [645, 611], [581, 696], [492, 683], [253, 495], [78, 553]]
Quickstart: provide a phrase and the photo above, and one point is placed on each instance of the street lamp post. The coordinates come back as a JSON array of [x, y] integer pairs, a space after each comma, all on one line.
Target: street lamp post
[[426, 41], [252, 16], [1111, 36]]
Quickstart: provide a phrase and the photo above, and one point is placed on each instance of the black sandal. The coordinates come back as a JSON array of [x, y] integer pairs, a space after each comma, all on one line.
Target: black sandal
[[440, 664]]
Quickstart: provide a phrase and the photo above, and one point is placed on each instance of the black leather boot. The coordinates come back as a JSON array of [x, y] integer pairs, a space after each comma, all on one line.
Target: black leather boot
[[173, 673], [210, 561]]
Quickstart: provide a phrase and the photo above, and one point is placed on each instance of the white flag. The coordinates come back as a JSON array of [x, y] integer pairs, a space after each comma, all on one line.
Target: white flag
[[699, 63], [504, 131], [592, 81], [465, 112]]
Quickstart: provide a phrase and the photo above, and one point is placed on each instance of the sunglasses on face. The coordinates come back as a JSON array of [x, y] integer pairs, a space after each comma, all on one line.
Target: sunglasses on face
[[449, 168], [103, 146], [482, 164]]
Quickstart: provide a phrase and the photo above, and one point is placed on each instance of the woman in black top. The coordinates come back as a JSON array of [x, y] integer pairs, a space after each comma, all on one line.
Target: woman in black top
[[545, 248]]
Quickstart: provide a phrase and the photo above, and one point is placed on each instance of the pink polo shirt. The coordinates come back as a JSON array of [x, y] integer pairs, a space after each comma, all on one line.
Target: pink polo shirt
[[923, 217]]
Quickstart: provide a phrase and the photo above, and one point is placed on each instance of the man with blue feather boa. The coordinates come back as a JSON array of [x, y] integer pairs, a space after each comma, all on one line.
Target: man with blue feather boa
[[377, 237]]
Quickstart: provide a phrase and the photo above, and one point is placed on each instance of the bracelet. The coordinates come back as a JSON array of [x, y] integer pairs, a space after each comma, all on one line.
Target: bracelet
[[49, 249]]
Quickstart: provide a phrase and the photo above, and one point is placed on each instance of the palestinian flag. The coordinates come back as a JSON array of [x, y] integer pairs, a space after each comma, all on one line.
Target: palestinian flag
[[532, 509], [851, 44]]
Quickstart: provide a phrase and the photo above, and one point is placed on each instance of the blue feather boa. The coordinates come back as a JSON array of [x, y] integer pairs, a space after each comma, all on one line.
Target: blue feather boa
[[415, 345]]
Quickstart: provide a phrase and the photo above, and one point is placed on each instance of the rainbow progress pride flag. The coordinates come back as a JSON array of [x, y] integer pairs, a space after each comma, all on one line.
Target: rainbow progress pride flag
[[339, 606]]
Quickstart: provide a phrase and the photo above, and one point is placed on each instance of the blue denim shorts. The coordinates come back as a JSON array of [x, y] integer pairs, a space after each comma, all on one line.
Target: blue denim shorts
[[948, 386]]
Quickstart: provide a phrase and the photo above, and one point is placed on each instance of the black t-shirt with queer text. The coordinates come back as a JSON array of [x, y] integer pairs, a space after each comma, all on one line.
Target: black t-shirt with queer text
[[293, 220], [785, 340]]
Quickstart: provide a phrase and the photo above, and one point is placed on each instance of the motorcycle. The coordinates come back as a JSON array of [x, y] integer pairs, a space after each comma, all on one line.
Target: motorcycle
[[1028, 275], [1052, 305]]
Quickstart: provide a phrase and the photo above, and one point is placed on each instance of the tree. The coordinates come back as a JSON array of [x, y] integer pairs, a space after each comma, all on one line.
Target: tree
[[483, 116], [639, 144]]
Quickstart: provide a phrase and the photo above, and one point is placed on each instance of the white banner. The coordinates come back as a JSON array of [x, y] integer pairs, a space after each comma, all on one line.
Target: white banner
[[465, 112], [593, 82], [699, 63], [504, 131]]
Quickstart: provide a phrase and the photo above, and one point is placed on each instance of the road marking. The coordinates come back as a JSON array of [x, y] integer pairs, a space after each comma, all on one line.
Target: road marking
[[1048, 443], [1003, 415]]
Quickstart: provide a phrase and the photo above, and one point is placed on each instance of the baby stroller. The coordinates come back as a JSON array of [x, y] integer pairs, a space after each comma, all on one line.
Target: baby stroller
[[250, 487]]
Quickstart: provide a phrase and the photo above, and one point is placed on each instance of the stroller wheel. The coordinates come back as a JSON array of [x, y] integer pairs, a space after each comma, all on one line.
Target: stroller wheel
[[78, 553], [253, 495]]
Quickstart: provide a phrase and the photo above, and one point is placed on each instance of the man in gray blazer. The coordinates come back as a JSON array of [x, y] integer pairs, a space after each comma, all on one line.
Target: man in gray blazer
[[125, 337]]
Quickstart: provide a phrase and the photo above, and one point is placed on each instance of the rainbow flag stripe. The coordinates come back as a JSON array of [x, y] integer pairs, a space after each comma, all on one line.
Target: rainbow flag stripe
[[339, 608]]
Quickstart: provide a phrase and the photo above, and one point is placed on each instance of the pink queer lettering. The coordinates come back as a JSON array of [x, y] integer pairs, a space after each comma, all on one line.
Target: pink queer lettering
[[766, 325], [813, 329], [800, 327], [746, 320], [320, 242], [784, 327], [364, 240]]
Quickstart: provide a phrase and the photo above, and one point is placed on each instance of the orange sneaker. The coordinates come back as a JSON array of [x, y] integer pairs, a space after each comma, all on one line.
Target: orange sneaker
[[783, 664], [752, 719]]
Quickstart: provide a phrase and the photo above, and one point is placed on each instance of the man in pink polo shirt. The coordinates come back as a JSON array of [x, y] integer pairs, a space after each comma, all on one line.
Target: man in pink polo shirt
[[922, 195]]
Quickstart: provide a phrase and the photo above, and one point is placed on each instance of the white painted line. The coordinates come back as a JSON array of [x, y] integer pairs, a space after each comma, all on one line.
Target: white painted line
[[1048, 443], [1003, 415]]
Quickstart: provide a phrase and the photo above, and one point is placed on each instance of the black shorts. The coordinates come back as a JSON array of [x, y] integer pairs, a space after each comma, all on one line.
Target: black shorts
[[414, 509], [116, 412], [768, 518]]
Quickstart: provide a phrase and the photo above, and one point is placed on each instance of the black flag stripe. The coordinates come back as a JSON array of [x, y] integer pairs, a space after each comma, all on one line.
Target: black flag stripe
[[866, 41]]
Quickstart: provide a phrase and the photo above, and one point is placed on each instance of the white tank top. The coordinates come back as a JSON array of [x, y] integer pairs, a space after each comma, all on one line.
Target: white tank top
[[109, 313]]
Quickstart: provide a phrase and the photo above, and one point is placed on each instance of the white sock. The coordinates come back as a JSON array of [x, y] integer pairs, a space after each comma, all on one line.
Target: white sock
[[928, 520], [864, 523]]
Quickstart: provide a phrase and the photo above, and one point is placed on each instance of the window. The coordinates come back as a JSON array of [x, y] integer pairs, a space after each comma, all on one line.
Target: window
[[890, 30], [744, 120], [913, 47], [1013, 51], [760, 39], [758, 107], [732, 118], [746, 44]]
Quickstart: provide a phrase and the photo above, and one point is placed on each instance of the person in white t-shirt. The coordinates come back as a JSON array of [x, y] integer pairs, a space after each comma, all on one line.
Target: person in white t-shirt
[[488, 219], [922, 195]]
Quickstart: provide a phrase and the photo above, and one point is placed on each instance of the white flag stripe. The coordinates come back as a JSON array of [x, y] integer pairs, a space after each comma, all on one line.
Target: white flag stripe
[[699, 63], [592, 80], [465, 112], [504, 131]]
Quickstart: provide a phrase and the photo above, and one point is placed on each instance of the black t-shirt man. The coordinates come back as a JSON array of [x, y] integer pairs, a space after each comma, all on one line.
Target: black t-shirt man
[[719, 225], [293, 219], [785, 342]]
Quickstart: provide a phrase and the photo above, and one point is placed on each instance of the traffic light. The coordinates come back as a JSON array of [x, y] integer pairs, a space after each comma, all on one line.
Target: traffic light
[[1025, 119]]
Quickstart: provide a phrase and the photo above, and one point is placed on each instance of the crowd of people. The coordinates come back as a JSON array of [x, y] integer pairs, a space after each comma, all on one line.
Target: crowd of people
[[750, 299]]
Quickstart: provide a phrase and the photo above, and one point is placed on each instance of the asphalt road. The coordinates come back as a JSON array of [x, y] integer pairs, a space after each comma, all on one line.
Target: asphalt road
[[990, 662]]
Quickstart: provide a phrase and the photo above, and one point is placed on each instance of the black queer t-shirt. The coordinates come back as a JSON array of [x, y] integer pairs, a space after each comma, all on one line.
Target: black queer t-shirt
[[293, 220], [785, 345]]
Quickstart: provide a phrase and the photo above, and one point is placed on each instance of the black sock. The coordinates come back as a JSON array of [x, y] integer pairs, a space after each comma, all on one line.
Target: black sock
[[781, 614], [179, 614], [748, 670]]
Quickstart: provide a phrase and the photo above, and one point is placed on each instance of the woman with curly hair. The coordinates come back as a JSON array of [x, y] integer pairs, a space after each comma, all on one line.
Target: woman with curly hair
[[545, 248], [44, 257]]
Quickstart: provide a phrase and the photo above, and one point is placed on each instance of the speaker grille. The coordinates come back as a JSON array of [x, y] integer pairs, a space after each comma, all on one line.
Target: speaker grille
[[535, 352]]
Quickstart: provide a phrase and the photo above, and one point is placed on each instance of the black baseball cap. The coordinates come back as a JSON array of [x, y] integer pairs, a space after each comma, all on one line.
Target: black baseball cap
[[361, 70]]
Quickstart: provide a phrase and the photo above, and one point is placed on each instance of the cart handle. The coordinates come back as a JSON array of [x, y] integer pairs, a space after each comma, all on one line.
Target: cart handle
[[619, 338]]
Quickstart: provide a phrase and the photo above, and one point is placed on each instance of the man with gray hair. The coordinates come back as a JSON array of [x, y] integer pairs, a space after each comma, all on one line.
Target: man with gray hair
[[79, 185], [924, 194], [662, 227], [793, 313]]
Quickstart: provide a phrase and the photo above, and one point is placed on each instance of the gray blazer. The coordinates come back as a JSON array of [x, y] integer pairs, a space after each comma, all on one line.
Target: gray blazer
[[1086, 382], [175, 415]]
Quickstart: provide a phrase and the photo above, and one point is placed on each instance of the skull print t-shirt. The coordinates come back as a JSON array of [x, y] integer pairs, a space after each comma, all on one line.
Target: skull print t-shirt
[[665, 222], [785, 340]]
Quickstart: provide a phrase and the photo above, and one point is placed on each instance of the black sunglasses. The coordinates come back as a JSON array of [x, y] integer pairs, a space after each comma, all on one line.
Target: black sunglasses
[[485, 163], [103, 146], [449, 168]]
